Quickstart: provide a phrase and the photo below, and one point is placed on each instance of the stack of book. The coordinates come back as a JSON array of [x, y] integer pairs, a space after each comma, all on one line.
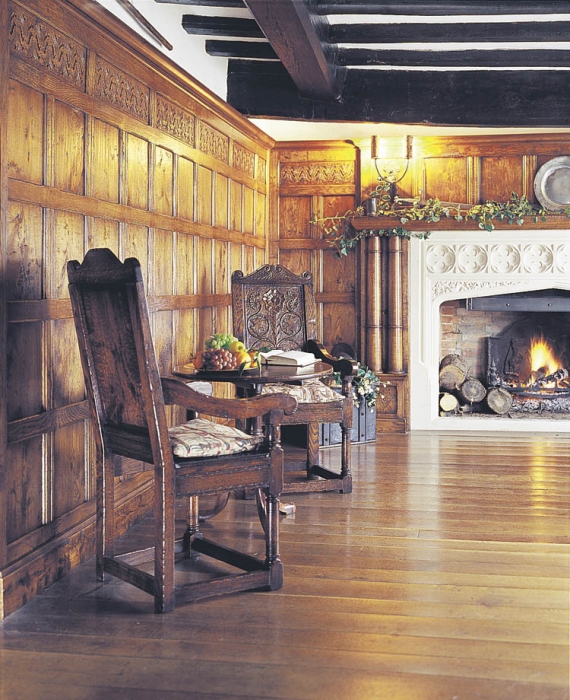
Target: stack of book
[[291, 358]]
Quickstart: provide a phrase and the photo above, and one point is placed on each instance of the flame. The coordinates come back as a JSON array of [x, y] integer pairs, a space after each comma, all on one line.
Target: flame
[[542, 356]]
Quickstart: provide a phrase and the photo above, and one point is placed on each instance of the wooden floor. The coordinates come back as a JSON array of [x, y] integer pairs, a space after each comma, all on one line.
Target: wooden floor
[[443, 576]]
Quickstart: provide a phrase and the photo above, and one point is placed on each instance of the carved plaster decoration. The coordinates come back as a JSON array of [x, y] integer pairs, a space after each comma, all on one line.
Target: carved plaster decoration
[[39, 43], [471, 259], [500, 258], [120, 89], [175, 121], [214, 143], [562, 259], [307, 173], [457, 288], [538, 258], [440, 259], [243, 159], [504, 259]]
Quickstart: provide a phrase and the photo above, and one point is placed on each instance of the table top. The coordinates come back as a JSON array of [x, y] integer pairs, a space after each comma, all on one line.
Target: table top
[[269, 374]]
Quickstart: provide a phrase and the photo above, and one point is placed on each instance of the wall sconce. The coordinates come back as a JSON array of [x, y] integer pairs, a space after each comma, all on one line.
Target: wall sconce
[[391, 170]]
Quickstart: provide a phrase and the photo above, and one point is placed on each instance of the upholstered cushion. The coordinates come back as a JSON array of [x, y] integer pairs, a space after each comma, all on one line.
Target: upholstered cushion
[[204, 438], [310, 391]]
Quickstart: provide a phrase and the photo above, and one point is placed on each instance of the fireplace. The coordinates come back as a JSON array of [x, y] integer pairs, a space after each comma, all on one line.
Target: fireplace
[[487, 296], [515, 350]]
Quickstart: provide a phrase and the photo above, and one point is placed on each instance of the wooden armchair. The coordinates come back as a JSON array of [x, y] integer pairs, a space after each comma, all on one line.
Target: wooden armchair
[[275, 308], [127, 398]]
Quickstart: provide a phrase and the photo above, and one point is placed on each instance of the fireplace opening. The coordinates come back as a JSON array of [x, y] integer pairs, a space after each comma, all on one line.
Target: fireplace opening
[[506, 355]]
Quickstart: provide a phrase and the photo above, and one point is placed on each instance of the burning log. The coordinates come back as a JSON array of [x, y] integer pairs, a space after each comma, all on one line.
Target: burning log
[[499, 400], [472, 390], [452, 372], [557, 376]]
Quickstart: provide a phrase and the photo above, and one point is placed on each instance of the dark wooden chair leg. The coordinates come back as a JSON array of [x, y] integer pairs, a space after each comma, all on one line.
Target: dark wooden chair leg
[[192, 526], [272, 543]]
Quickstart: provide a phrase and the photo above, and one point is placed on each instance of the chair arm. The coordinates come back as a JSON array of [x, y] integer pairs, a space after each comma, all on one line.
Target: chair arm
[[346, 367], [175, 391]]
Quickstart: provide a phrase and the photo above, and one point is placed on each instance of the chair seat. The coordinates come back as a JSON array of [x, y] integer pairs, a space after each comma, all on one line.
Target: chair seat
[[203, 438], [310, 391]]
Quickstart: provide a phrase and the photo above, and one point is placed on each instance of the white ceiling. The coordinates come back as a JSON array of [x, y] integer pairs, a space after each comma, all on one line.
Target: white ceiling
[[190, 55]]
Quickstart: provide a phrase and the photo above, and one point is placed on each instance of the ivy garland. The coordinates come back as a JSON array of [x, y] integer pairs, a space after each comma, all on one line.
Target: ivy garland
[[344, 237]]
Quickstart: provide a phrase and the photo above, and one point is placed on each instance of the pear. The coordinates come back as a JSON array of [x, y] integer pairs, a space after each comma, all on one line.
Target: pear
[[237, 346]]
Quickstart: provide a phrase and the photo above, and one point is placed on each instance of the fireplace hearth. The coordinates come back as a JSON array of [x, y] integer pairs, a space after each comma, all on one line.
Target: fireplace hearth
[[531, 356]]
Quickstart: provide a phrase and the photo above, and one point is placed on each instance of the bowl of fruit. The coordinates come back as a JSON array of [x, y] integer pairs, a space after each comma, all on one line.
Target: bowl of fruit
[[223, 352]]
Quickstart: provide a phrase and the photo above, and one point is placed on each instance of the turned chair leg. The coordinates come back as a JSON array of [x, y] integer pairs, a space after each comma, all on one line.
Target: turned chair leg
[[192, 527], [313, 448]]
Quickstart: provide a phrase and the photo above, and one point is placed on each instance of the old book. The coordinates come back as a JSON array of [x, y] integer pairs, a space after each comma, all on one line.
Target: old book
[[291, 358]]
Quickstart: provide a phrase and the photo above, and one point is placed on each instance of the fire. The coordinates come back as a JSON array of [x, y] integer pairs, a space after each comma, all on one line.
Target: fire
[[542, 357]]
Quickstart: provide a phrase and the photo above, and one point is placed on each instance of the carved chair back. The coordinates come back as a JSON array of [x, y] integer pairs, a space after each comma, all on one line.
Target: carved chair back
[[113, 329], [274, 308]]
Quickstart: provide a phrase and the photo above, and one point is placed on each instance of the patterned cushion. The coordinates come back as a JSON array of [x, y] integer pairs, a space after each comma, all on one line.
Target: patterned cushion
[[310, 391], [203, 438]]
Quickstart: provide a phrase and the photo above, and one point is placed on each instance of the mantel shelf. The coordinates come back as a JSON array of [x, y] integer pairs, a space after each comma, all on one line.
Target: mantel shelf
[[361, 223]]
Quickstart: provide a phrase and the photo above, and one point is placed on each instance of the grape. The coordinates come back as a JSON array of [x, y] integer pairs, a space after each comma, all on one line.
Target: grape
[[219, 359], [219, 341]]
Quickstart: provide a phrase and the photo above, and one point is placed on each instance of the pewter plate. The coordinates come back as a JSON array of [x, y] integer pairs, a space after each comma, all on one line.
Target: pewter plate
[[552, 184]]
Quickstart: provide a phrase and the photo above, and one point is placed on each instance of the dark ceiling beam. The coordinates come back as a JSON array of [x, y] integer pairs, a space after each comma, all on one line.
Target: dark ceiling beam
[[206, 3], [462, 32], [452, 98], [221, 26], [496, 58], [240, 49], [300, 39], [442, 8]]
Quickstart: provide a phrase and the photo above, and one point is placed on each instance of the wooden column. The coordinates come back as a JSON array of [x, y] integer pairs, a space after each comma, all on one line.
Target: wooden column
[[374, 357], [395, 307], [4, 74]]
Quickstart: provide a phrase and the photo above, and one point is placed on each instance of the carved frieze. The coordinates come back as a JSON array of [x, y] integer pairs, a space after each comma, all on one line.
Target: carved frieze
[[460, 288], [39, 43], [243, 159], [213, 142], [498, 259], [175, 121], [321, 173], [120, 89]]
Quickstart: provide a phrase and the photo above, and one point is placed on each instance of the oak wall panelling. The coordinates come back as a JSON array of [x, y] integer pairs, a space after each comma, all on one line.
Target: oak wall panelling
[[319, 179], [104, 142]]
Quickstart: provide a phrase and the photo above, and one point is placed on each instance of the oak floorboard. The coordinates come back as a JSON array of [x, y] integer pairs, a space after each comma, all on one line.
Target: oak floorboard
[[443, 576]]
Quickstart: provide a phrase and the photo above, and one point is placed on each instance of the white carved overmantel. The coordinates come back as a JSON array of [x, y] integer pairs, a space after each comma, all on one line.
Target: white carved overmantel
[[458, 264]]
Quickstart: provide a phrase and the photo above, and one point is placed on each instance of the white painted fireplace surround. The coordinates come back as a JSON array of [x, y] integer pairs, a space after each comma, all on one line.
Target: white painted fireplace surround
[[459, 264]]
